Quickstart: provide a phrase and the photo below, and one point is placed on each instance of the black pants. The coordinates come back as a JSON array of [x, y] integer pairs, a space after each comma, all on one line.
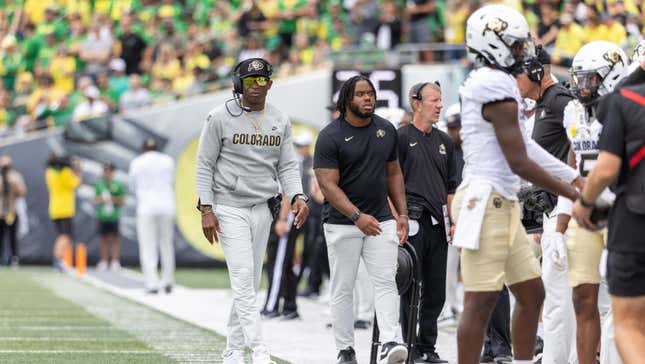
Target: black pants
[[498, 331], [317, 259], [283, 281], [10, 230], [432, 248]]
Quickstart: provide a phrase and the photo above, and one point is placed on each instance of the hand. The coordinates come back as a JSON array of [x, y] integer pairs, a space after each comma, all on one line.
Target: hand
[[402, 229], [554, 248], [368, 225], [210, 226], [281, 226], [301, 210], [537, 238], [578, 183], [583, 215]]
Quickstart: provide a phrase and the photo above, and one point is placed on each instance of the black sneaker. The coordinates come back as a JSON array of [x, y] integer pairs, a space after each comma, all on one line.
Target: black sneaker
[[431, 357], [503, 359], [290, 315], [393, 353], [269, 314], [487, 358], [347, 356], [168, 289], [152, 291], [362, 324]]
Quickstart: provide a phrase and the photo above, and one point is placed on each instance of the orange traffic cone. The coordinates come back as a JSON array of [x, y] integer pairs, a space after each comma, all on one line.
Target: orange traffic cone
[[81, 259]]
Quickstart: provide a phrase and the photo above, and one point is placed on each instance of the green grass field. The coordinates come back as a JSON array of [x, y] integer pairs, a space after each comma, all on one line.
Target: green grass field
[[47, 317]]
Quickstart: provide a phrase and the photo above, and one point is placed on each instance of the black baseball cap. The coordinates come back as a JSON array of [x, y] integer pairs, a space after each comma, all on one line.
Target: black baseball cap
[[254, 67]]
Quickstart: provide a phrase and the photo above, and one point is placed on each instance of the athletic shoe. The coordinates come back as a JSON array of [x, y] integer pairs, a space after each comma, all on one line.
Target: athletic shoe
[[503, 359], [168, 289], [447, 318], [308, 293], [115, 266], [269, 314], [362, 324], [261, 355], [393, 353], [487, 358], [347, 356], [233, 357], [430, 357], [102, 266], [290, 315], [152, 291]]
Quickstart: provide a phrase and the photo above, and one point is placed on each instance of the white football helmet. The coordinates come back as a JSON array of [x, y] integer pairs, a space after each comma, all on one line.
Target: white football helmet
[[596, 70], [499, 35]]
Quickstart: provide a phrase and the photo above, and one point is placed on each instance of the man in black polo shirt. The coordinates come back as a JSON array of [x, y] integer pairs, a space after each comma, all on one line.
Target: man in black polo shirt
[[356, 165], [427, 159], [558, 316], [622, 155]]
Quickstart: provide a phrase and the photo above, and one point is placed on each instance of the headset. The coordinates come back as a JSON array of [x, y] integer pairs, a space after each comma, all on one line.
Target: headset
[[238, 88], [534, 70], [237, 80], [417, 94]]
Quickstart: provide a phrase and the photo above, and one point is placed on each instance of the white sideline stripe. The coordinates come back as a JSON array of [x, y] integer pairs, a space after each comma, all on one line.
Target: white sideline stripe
[[55, 328], [18, 338], [78, 352]]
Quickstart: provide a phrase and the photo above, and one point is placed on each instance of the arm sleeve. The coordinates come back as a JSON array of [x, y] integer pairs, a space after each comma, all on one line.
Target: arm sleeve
[[551, 164], [612, 137], [288, 166], [402, 143], [71, 179], [210, 144], [325, 152], [453, 178], [393, 152]]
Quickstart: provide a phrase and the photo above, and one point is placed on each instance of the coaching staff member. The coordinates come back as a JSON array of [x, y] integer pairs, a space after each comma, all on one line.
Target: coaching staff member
[[622, 155], [356, 165], [558, 315], [427, 158], [245, 147]]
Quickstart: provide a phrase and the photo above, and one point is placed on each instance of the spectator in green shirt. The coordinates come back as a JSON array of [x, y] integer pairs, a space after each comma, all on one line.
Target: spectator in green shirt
[[108, 197]]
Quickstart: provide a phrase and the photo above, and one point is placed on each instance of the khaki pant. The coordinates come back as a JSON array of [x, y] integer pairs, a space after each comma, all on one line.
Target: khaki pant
[[584, 248], [504, 255]]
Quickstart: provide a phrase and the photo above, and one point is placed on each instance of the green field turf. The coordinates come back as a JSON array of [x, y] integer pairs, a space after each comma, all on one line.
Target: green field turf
[[47, 317]]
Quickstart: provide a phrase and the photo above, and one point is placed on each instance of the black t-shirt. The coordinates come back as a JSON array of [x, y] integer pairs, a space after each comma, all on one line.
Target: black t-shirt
[[360, 155], [429, 168], [548, 130], [626, 228], [545, 28], [132, 47]]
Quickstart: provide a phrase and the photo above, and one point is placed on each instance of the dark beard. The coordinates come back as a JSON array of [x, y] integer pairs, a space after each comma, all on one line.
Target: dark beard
[[358, 113]]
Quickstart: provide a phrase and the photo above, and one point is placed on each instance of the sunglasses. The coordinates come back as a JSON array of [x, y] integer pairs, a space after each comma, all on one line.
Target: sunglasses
[[260, 80]]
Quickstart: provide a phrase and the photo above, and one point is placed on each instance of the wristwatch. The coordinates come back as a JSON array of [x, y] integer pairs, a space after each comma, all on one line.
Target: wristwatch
[[355, 216], [300, 196]]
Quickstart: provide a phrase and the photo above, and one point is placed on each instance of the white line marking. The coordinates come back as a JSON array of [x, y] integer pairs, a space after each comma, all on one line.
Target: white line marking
[[78, 352]]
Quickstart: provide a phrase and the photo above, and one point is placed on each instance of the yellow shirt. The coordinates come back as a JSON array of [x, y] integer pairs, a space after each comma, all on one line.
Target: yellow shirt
[[169, 70], [62, 70], [569, 41], [199, 60], [616, 33], [82, 7], [35, 9], [115, 8], [456, 27], [598, 33], [48, 96], [61, 185]]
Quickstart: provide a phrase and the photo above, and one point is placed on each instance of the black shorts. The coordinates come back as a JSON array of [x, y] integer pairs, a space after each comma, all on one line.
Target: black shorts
[[626, 274], [108, 227], [64, 226]]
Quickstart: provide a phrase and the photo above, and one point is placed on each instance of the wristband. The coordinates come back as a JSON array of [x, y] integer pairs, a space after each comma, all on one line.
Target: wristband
[[355, 216]]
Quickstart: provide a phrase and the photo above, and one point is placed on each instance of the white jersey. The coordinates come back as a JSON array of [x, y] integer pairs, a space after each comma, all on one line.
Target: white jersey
[[583, 131], [483, 156]]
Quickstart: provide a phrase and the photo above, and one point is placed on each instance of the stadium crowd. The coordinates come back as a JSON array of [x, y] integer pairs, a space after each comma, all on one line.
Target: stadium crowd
[[72, 59]]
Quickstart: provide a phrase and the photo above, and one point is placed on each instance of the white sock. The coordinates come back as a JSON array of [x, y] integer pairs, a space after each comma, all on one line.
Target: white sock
[[522, 361], [540, 330]]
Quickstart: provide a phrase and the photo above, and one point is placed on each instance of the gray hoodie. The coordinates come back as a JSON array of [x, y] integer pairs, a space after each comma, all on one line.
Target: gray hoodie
[[237, 166]]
